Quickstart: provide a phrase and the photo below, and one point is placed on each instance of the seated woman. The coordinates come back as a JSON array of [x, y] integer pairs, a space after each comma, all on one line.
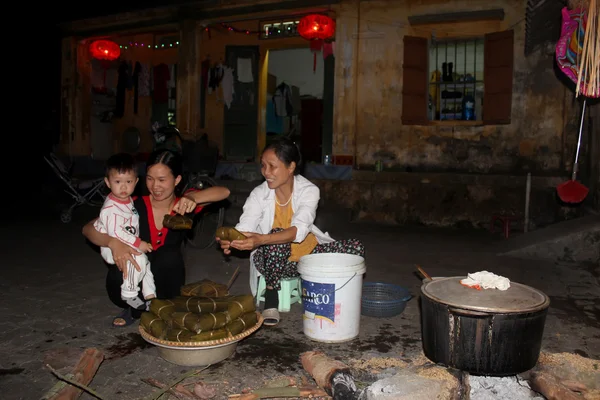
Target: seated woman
[[163, 174], [278, 221]]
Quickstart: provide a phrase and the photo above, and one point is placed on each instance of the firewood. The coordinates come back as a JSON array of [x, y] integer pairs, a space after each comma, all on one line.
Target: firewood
[[80, 377], [322, 368], [283, 381], [178, 390], [551, 388], [176, 381], [281, 392], [575, 386]]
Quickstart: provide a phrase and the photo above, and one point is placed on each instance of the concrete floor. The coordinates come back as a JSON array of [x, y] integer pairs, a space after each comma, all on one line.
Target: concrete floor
[[53, 302]]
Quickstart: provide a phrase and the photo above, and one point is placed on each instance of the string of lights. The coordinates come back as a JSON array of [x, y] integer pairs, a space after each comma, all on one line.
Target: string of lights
[[160, 46]]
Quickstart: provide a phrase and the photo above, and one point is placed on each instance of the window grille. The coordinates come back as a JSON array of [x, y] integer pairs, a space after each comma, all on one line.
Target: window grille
[[456, 80]]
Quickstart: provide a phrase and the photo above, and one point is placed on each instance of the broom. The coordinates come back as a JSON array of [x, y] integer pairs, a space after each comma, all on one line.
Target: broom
[[588, 78], [572, 191]]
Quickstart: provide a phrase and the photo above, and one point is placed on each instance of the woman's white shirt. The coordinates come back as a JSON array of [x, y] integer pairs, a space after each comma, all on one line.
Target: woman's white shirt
[[259, 210]]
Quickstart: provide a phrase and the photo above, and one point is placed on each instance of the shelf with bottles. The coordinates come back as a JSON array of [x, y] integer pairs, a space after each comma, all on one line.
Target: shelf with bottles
[[452, 97]]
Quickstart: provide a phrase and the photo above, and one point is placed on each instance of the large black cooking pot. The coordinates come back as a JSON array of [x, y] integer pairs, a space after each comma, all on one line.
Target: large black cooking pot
[[485, 332]]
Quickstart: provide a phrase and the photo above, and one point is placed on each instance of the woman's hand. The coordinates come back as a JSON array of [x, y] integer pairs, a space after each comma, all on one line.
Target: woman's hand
[[185, 205], [123, 253], [225, 245], [252, 241]]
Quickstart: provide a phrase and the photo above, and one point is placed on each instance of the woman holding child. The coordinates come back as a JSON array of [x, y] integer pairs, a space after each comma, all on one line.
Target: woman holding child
[[278, 222], [163, 174]]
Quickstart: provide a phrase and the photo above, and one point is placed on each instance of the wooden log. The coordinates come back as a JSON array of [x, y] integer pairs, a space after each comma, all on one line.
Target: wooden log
[[281, 392], [551, 388], [322, 368], [83, 373]]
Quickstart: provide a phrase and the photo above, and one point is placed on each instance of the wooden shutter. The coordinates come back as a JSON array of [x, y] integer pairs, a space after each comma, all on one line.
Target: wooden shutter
[[498, 77], [414, 83]]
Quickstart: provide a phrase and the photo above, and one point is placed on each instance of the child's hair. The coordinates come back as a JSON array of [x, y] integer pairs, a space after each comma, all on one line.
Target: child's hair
[[121, 163]]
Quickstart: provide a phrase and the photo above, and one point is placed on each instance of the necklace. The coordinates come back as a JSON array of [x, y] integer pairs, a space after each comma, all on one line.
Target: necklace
[[286, 203]]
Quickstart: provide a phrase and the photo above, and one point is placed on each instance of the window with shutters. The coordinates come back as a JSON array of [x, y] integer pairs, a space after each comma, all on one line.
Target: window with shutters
[[464, 81], [455, 80]]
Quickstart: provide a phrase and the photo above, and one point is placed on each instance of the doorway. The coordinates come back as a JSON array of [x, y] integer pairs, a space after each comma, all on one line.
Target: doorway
[[241, 114], [299, 100]]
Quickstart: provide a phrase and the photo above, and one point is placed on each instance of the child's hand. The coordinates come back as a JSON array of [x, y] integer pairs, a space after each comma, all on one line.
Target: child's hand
[[145, 247]]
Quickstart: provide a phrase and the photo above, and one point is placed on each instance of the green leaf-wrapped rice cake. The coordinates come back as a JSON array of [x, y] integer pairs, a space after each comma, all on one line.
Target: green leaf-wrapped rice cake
[[153, 324], [241, 323], [239, 305], [204, 287], [201, 304], [162, 308], [179, 335], [211, 335], [200, 322]]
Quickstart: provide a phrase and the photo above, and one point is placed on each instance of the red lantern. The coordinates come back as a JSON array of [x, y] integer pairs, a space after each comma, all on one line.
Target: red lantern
[[105, 50], [316, 26]]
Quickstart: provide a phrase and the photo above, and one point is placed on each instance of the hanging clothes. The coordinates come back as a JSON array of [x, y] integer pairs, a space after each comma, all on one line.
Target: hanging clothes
[[215, 78], [244, 70], [137, 70], [172, 76], [122, 86], [282, 99], [144, 80], [162, 76], [205, 68], [227, 86]]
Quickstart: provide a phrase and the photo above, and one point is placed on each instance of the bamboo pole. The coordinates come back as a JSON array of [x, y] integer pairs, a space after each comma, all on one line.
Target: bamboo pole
[[588, 76]]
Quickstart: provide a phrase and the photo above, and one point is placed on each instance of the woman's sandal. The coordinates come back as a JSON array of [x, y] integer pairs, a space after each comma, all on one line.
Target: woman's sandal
[[123, 319], [271, 316]]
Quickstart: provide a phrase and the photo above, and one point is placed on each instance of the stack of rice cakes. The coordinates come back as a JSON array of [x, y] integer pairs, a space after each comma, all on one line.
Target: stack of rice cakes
[[204, 312]]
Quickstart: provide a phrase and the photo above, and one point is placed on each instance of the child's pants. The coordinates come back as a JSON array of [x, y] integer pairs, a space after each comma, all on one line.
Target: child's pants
[[131, 285]]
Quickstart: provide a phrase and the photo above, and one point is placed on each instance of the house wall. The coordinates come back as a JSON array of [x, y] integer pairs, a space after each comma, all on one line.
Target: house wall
[[369, 79], [445, 174], [77, 72]]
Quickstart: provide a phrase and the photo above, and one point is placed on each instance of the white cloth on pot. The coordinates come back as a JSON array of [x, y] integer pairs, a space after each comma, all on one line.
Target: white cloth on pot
[[486, 280]]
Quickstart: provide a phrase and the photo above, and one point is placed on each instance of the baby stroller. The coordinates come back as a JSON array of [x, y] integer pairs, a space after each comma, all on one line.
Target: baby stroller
[[82, 191]]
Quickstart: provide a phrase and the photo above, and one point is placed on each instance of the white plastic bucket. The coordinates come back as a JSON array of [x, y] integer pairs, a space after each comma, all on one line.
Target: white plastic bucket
[[331, 295]]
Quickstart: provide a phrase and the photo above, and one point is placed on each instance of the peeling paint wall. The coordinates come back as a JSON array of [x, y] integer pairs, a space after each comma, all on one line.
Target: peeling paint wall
[[368, 96]]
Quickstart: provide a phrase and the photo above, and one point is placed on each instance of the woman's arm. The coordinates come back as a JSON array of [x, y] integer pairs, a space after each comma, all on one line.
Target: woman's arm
[[121, 252], [98, 238], [255, 240], [208, 195], [284, 236], [193, 200], [306, 212]]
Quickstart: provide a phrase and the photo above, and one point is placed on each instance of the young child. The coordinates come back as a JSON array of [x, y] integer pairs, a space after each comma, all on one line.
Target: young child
[[119, 219]]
